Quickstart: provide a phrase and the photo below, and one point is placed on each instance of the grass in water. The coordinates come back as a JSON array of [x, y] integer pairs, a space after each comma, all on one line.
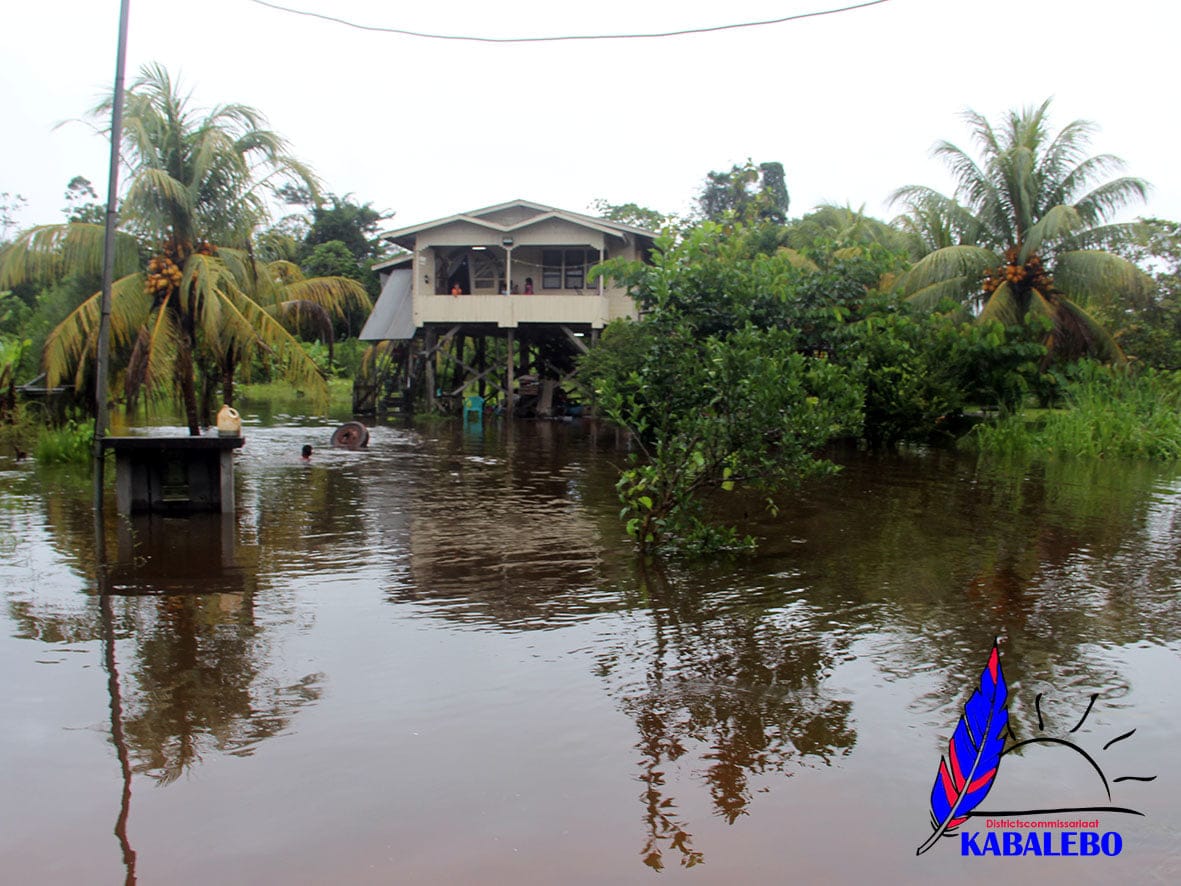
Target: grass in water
[[69, 444], [1110, 413]]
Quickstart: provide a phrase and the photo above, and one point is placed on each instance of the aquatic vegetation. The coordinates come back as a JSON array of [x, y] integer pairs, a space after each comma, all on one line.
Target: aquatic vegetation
[[1110, 413], [69, 444]]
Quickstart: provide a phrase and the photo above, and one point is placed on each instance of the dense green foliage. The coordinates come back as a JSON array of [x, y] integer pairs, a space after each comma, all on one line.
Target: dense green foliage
[[716, 392], [746, 362], [69, 444], [747, 193], [631, 214], [1149, 331], [197, 188], [1111, 413], [920, 373], [347, 222]]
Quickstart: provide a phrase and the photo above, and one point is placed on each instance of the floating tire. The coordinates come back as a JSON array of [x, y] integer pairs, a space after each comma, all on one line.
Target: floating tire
[[350, 435]]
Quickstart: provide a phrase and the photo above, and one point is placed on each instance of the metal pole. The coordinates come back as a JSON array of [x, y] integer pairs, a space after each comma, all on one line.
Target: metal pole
[[104, 325]]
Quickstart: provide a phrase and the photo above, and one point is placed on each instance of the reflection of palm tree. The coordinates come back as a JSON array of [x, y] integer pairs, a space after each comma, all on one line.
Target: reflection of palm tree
[[199, 676], [199, 684], [745, 688]]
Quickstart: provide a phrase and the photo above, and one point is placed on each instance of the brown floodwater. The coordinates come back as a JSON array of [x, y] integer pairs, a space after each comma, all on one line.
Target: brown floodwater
[[440, 661]]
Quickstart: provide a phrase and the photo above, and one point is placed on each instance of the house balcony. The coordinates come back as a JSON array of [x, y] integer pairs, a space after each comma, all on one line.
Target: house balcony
[[510, 311]]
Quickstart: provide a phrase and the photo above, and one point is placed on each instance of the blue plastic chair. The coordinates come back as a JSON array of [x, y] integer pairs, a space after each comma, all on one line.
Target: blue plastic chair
[[473, 405]]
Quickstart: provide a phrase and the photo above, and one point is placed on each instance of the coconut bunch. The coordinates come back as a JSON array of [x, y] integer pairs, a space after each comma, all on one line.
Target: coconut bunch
[[1032, 274], [164, 270]]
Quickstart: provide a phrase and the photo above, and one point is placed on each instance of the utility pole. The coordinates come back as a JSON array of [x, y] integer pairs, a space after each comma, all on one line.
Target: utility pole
[[104, 324]]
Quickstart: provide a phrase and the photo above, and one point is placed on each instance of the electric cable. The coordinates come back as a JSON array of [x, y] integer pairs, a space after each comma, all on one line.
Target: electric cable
[[565, 37]]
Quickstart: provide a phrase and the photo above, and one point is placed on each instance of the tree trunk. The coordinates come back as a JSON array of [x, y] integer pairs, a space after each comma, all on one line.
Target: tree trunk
[[184, 379], [227, 382], [208, 386]]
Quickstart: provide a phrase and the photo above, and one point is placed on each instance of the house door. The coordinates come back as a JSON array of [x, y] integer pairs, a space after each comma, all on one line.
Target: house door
[[461, 276]]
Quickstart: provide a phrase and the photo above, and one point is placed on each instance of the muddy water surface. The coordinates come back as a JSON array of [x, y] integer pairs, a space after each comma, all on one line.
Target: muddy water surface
[[438, 661]]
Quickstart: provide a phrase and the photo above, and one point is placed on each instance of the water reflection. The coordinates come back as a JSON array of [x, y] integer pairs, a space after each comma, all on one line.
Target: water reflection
[[721, 695], [177, 555], [493, 527], [201, 682], [1062, 561], [177, 600], [738, 687]]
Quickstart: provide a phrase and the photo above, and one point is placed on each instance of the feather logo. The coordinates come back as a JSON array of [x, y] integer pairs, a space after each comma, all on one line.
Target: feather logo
[[973, 754]]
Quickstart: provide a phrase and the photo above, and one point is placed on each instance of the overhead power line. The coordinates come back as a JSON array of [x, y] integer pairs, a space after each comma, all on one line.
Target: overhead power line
[[471, 38]]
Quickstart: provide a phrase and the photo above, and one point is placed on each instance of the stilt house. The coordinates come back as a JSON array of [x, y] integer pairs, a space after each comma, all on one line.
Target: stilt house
[[497, 300]]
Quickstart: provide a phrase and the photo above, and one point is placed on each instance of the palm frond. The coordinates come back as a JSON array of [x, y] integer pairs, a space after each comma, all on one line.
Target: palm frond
[[1100, 279], [935, 220], [334, 294], [73, 341], [292, 361], [1019, 168], [1104, 201], [296, 312], [157, 198], [1002, 305], [49, 252], [1058, 222], [208, 283], [239, 264], [1106, 238], [283, 272], [1063, 160], [951, 262], [150, 366], [961, 290], [1064, 184], [1080, 334]]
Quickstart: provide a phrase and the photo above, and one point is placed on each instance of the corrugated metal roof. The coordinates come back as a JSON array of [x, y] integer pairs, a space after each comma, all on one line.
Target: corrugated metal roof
[[393, 315]]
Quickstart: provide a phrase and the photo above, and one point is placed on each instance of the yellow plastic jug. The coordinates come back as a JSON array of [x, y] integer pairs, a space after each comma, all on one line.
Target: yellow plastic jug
[[229, 423]]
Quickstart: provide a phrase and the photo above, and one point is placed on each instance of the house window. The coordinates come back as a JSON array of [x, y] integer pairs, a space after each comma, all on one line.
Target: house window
[[551, 270], [575, 268], [566, 268]]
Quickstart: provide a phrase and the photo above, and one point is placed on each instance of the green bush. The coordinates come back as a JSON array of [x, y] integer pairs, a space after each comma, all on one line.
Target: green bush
[[69, 444]]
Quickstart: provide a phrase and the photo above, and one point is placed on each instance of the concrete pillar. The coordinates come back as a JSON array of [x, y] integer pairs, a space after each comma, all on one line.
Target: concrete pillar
[[227, 481]]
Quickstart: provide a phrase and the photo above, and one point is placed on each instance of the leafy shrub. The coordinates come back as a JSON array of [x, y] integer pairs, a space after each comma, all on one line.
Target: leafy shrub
[[69, 444]]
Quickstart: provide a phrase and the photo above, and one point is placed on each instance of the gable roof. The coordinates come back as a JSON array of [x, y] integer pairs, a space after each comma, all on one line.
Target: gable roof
[[512, 216]]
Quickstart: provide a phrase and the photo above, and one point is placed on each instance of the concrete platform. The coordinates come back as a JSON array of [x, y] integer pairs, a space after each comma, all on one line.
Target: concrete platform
[[174, 475]]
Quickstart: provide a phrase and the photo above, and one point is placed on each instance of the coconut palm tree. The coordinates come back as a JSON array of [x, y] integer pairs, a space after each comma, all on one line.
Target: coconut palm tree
[[1015, 239], [197, 188]]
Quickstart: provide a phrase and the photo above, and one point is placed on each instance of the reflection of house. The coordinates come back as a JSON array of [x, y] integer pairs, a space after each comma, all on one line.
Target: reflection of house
[[518, 271]]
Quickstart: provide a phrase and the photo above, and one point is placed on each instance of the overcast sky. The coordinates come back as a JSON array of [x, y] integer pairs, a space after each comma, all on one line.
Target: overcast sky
[[849, 103]]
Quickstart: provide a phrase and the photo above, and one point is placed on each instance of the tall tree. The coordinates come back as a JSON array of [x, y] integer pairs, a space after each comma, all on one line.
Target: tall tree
[[82, 203], [631, 214], [1016, 237], [750, 193], [353, 224], [196, 191]]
